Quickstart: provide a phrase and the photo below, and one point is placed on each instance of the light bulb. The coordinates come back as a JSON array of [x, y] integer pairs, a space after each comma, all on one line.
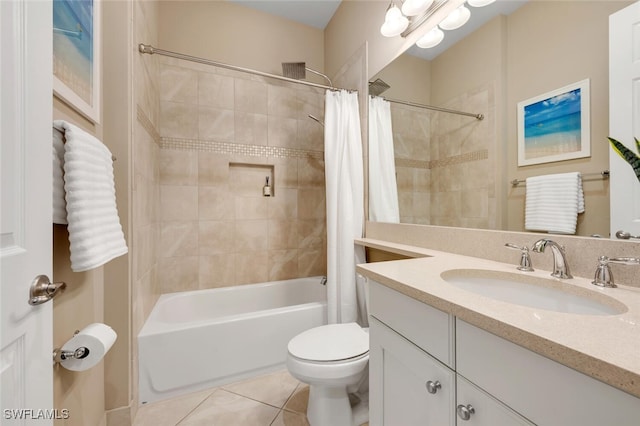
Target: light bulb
[[457, 18], [415, 7], [479, 3], [392, 28], [431, 39]]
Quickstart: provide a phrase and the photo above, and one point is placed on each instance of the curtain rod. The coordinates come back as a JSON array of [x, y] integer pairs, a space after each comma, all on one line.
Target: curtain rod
[[149, 49], [435, 108]]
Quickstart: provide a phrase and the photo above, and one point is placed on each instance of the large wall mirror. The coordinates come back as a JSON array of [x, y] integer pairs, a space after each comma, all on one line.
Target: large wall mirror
[[456, 170]]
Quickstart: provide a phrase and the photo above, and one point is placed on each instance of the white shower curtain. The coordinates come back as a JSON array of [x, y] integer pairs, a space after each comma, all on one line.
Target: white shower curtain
[[345, 198], [383, 191]]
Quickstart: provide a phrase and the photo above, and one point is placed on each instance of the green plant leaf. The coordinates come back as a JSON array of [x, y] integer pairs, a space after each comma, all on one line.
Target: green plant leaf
[[630, 156]]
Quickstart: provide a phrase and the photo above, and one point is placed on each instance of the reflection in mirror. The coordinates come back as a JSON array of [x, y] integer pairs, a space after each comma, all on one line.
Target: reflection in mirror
[[455, 170]]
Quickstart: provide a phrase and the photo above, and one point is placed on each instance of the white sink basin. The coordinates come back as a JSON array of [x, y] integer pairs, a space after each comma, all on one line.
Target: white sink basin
[[534, 292]]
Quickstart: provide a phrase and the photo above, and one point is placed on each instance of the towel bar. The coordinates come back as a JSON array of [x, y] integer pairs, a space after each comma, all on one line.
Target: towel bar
[[604, 175]]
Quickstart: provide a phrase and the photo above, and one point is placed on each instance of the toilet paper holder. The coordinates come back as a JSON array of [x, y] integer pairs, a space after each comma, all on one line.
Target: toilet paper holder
[[59, 355]]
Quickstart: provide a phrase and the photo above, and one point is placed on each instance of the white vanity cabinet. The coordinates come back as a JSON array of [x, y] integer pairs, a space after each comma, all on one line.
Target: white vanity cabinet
[[428, 368]]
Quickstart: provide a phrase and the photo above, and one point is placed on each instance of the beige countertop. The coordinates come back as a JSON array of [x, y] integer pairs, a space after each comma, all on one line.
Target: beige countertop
[[606, 347]]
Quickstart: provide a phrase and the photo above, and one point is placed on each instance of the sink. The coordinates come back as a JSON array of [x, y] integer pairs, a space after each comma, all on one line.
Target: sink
[[534, 292]]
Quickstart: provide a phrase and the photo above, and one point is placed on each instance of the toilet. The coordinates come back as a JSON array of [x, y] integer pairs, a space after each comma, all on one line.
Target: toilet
[[333, 360]]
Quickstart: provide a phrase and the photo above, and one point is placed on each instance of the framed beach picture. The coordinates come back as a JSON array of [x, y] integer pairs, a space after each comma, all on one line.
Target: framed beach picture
[[76, 55], [555, 126]]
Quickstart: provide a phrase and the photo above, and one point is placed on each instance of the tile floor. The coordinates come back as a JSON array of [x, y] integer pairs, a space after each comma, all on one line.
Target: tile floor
[[275, 399]]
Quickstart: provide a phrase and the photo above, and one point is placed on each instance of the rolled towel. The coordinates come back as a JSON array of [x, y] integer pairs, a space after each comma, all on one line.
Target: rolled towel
[[95, 233]]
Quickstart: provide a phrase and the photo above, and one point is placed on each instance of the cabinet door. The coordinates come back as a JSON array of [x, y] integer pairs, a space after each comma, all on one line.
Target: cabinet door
[[482, 409], [399, 375]]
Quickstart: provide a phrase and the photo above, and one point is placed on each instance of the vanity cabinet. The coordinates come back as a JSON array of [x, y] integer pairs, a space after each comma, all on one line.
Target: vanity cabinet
[[429, 368]]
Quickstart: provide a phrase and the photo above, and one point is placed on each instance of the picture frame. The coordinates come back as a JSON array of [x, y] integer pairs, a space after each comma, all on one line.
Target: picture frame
[[76, 55], [555, 126]]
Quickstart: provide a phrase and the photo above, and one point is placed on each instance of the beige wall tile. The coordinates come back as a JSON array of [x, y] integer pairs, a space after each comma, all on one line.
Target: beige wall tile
[[178, 120], [178, 84], [215, 90], [215, 203], [178, 239], [312, 262], [310, 102], [311, 203], [284, 205], [282, 234], [282, 132], [247, 180], [250, 128], [178, 167], [216, 271], [178, 274], [251, 267], [248, 208], [285, 172], [250, 235], [311, 233], [283, 264], [250, 96], [178, 202], [311, 173], [282, 101], [216, 237], [216, 124], [213, 169], [310, 135]]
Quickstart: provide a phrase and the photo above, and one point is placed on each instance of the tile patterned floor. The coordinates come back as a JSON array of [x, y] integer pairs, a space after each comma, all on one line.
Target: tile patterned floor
[[275, 399]]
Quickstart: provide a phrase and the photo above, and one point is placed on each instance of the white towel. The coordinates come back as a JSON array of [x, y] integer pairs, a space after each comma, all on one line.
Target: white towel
[[95, 233], [59, 204], [553, 203]]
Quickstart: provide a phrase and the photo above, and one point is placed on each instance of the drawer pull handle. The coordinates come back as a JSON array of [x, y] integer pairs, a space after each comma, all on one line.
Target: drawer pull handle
[[465, 411], [432, 387]]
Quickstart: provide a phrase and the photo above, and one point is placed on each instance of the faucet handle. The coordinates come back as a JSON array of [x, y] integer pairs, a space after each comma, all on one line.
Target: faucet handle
[[604, 276], [525, 259]]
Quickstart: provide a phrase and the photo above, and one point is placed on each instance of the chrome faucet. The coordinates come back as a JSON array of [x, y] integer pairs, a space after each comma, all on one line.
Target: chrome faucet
[[560, 265]]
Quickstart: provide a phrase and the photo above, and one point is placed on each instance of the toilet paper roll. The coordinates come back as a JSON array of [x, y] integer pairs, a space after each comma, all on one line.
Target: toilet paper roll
[[97, 338]]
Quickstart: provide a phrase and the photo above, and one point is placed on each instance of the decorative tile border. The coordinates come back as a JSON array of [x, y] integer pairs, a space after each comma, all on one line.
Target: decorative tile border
[[469, 157], [144, 121], [240, 149]]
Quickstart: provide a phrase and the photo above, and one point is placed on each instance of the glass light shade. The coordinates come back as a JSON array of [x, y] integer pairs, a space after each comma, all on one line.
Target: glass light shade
[[394, 27], [479, 3], [392, 14], [456, 19], [415, 7], [431, 39]]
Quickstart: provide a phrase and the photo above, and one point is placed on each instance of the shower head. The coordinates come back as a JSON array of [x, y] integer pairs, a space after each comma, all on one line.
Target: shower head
[[298, 71], [377, 86], [295, 70]]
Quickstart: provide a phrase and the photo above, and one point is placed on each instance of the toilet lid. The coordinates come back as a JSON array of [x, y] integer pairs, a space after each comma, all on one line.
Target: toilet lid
[[333, 342]]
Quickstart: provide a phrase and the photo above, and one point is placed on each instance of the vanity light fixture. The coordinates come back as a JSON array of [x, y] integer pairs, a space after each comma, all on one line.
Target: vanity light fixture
[[457, 18], [415, 7], [394, 22], [431, 39]]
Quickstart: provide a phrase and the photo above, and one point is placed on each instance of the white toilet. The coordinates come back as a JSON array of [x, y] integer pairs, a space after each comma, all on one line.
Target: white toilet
[[333, 360]]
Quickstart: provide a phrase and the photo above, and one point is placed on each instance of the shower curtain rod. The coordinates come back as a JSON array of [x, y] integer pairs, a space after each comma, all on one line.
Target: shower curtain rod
[[434, 108], [149, 49]]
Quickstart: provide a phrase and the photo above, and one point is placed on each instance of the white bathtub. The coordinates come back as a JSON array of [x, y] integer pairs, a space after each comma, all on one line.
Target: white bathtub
[[199, 339]]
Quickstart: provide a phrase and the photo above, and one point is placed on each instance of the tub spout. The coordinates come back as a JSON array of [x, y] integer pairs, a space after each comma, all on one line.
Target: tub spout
[[323, 281]]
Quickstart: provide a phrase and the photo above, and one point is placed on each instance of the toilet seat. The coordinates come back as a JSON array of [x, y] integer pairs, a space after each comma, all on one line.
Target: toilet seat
[[329, 343]]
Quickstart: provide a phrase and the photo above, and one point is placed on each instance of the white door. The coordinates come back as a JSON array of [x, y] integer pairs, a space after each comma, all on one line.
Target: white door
[[26, 385], [624, 116]]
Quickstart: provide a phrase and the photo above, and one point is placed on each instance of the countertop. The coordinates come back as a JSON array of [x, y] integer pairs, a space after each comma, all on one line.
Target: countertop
[[605, 347]]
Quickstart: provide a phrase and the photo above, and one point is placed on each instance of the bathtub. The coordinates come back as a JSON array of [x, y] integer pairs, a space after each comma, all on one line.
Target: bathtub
[[200, 339]]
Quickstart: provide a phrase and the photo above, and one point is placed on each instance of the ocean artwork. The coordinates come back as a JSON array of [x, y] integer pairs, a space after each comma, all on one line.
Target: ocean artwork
[[554, 126], [73, 46]]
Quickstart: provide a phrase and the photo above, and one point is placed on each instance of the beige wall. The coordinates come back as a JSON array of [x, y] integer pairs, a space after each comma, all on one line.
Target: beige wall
[[540, 60], [233, 34]]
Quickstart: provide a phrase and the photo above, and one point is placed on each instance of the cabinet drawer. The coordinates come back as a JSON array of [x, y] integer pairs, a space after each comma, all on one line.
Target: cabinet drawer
[[542, 390], [427, 327]]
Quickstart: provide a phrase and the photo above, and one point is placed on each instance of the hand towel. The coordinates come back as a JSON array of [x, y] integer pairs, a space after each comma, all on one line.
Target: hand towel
[[59, 203], [95, 233], [553, 203]]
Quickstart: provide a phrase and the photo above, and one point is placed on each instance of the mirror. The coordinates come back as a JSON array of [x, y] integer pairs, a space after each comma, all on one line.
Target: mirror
[[455, 170]]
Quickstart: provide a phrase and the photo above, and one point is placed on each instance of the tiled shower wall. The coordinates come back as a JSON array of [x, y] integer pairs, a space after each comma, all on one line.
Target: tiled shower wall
[[445, 163], [222, 133]]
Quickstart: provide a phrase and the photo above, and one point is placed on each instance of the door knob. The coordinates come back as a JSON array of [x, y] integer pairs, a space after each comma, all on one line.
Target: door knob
[[42, 290]]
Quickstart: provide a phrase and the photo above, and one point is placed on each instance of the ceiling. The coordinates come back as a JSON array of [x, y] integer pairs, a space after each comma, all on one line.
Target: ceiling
[[318, 13]]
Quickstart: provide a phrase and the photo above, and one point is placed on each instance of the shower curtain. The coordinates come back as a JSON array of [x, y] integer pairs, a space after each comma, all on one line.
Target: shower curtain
[[345, 203], [383, 191]]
